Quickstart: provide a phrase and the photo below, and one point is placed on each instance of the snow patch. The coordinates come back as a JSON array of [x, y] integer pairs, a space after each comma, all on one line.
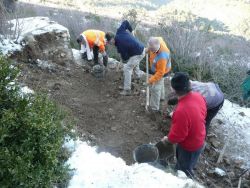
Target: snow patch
[[77, 56], [103, 170], [219, 172], [25, 90], [235, 127], [45, 64], [7, 46]]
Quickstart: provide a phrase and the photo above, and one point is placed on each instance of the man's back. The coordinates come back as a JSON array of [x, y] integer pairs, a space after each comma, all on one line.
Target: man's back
[[188, 124], [210, 91], [127, 45]]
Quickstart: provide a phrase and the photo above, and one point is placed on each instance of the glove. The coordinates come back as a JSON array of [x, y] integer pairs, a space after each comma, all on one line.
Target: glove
[[165, 140]]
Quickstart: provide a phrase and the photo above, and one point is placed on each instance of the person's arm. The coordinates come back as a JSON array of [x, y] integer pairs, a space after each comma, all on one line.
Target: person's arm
[[102, 47], [125, 26], [161, 66], [179, 127]]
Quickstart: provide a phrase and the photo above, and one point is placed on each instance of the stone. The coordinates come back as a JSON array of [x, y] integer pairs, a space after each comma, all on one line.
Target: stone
[[113, 128], [38, 39], [242, 114], [62, 54]]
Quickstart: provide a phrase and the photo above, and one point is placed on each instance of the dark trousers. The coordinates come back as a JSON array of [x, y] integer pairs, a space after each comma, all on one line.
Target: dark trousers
[[187, 160], [211, 113], [96, 54]]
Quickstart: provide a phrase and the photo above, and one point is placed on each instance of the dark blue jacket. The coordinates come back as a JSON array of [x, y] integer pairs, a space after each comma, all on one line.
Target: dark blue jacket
[[127, 45]]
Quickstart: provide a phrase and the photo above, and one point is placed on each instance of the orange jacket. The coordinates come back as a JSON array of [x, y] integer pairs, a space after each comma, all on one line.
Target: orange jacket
[[95, 37], [160, 63]]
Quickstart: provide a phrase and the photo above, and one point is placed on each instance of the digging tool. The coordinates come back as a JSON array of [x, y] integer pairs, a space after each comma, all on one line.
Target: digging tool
[[147, 89]]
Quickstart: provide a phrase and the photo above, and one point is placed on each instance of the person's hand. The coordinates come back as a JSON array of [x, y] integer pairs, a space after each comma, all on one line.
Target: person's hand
[[165, 139], [171, 114]]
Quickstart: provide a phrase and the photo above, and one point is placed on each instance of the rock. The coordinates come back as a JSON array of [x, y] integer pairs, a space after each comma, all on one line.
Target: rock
[[231, 174], [226, 161], [43, 39], [57, 86], [113, 128], [242, 114], [219, 121], [238, 163], [214, 142], [62, 54]]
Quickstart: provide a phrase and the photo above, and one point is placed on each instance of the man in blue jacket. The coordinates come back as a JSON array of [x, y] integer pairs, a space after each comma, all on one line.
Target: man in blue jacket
[[131, 50]]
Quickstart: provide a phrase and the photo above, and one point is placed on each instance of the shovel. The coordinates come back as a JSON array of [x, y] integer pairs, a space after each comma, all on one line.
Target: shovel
[[147, 89]]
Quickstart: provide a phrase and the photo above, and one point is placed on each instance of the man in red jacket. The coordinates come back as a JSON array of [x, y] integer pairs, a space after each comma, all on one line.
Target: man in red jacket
[[188, 124]]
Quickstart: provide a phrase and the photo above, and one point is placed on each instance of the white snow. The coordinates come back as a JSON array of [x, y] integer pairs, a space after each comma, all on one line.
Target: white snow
[[45, 64], [36, 26], [26, 90], [77, 56], [102, 170], [236, 128], [7, 46], [219, 172]]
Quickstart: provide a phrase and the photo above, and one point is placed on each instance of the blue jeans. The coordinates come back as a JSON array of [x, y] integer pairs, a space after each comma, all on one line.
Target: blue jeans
[[187, 160]]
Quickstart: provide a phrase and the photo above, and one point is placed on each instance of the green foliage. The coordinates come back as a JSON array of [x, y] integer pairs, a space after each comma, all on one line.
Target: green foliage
[[93, 17], [32, 133]]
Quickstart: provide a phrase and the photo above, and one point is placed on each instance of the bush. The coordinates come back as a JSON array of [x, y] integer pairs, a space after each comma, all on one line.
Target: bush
[[32, 133], [190, 53]]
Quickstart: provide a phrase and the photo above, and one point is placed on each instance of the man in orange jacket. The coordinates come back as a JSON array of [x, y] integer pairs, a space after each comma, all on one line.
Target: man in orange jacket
[[94, 40], [160, 66]]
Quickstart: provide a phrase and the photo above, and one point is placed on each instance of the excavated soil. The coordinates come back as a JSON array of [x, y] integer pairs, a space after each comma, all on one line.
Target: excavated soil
[[116, 124]]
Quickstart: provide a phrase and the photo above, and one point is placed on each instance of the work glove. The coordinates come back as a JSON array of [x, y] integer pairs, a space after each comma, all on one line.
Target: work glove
[[165, 140]]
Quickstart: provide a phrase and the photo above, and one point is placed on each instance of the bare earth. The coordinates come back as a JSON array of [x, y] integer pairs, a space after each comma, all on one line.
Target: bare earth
[[115, 123]]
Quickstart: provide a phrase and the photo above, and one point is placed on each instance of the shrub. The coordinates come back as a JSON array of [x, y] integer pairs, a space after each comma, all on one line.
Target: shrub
[[32, 133], [190, 53]]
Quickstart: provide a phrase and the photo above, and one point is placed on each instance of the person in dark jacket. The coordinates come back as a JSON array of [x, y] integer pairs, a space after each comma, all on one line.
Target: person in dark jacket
[[188, 124], [131, 50]]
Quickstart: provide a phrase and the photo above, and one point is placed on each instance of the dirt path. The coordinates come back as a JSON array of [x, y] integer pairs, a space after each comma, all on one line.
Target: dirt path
[[116, 124]]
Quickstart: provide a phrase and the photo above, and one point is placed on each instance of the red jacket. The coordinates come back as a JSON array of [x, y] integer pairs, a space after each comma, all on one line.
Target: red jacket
[[188, 122]]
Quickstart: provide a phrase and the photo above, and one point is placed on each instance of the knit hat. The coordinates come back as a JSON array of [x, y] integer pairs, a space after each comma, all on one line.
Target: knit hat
[[80, 39], [109, 36], [180, 82]]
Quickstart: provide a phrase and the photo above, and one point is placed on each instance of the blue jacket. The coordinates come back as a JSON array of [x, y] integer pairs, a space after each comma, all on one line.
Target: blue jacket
[[127, 45]]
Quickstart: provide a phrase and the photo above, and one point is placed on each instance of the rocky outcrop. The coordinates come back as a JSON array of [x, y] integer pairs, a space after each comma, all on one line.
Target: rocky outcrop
[[40, 39]]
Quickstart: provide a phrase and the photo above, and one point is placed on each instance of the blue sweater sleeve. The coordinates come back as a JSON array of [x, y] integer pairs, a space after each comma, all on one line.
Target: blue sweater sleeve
[[125, 26]]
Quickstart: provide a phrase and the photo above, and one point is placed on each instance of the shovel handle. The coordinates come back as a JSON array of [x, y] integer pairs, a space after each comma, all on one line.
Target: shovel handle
[[147, 90]]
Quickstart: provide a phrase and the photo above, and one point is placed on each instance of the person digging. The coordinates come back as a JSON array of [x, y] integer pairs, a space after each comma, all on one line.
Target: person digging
[[93, 42], [159, 69], [130, 50], [188, 124]]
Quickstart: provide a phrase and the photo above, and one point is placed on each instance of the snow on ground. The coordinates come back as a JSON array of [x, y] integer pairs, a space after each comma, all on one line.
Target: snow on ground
[[235, 127], [102, 170], [8, 46], [77, 56], [26, 90]]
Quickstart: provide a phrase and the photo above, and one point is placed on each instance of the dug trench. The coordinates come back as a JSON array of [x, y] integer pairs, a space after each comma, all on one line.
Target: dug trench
[[118, 124]]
